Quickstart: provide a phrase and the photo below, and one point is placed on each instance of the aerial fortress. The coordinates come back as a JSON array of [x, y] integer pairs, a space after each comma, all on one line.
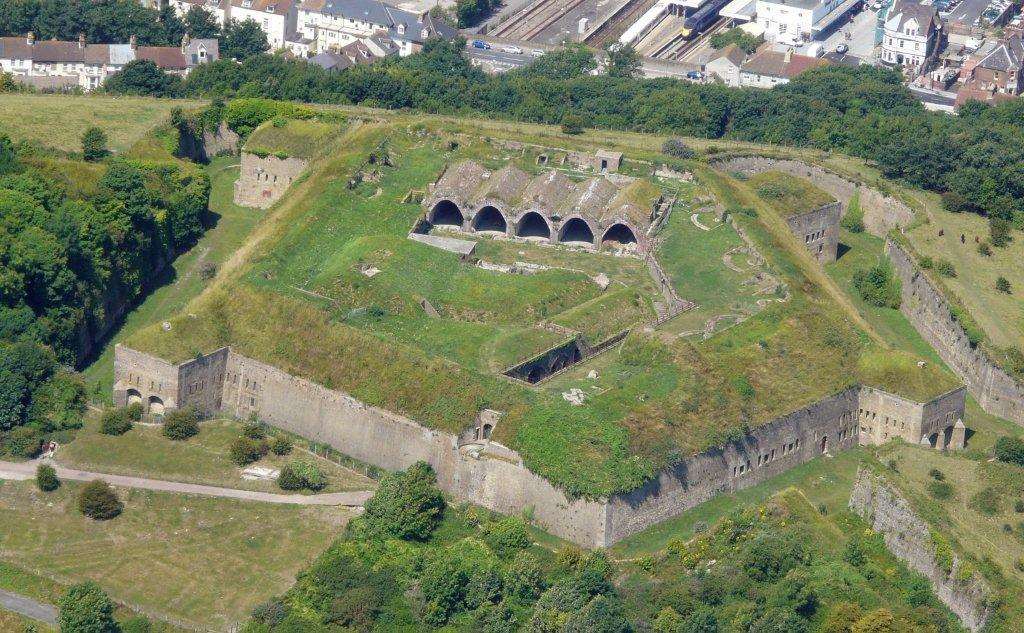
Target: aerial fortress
[[606, 214]]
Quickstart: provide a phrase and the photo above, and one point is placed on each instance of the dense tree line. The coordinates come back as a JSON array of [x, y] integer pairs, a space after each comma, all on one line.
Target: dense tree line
[[973, 158], [115, 21], [68, 264], [102, 21]]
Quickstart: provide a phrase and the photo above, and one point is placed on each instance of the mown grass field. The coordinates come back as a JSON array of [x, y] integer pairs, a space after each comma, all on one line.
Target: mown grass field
[[59, 122], [992, 530], [203, 459], [999, 314], [203, 562]]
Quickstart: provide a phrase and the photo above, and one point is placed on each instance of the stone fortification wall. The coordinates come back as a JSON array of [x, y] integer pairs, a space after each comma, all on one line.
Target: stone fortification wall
[[202, 147], [148, 375], [910, 539], [262, 181], [882, 213], [485, 473], [829, 425], [928, 311], [201, 381], [819, 230], [394, 442], [883, 416]]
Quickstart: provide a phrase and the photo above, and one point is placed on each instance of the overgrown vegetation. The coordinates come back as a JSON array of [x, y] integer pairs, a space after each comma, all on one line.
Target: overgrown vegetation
[[878, 285], [780, 566], [745, 41]]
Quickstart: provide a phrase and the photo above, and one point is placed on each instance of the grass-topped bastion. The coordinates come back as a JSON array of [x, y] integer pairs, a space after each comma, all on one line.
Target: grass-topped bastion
[[343, 328]]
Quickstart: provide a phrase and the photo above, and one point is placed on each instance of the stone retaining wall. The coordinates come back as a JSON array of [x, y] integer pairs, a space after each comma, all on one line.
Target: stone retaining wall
[[490, 475], [882, 213], [263, 180], [909, 538], [928, 311]]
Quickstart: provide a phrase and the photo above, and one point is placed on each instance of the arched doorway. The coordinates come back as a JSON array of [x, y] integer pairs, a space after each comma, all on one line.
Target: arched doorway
[[489, 219], [132, 396], [933, 440], [576, 231], [487, 431], [619, 235], [533, 224], [824, 444], [446, 213], [156, 405]]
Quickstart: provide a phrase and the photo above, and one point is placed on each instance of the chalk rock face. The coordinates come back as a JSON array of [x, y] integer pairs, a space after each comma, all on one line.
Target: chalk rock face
[[910, 539]]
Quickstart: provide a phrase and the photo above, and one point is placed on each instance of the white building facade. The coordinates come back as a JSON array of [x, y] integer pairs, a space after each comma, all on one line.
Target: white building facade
[[63, 65], [277, 18], [910, 35], [794, 21]]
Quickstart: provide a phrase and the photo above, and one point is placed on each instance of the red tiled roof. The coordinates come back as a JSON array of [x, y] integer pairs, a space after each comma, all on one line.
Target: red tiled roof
[[163, 56]]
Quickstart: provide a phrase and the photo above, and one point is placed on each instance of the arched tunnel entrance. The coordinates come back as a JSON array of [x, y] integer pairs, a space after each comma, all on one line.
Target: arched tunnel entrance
[[446, 213], [619, 235], [489, 219], [576, 231], [533, 225]]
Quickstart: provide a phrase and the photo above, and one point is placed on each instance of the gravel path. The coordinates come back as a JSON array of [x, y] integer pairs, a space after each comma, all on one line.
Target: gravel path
[[27, 470], [28, 607]]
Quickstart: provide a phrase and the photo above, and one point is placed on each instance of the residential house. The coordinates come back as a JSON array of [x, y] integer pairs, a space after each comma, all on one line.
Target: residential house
[[63, 65], [796, 21], [277, 18], [995, 73], [725, 66], [768, 68], [332, 24], [910, 36]]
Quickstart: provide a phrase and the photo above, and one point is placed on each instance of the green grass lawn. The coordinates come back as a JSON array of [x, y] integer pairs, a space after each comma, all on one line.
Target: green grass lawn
[[999, 314], [981, 533], [32, 117], [203, 459], [233, 225], [695, 261], [200, 561], [791, 195]]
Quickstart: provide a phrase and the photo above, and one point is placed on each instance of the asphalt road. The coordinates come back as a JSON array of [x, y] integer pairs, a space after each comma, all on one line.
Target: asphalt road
[[27, 470]]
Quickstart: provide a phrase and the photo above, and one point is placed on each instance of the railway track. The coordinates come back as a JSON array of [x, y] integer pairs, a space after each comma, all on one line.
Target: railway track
[[533, 19], [678, 47], [616, 25]]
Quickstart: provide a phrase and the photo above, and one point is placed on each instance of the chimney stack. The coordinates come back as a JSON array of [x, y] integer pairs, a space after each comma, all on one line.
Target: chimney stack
[[81, 40], [185, 41], [31, 38], [133, 41], [788, 56]]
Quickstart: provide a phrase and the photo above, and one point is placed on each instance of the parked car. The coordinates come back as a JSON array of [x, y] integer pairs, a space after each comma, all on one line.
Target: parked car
[[515, 50], [536, 52], [481, 44], [842, 48], [696, 75]]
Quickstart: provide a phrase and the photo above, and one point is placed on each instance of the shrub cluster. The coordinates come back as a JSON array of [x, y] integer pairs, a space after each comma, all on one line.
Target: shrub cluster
[[46, 478], [181, 424], [246, 450], [878, 286], [301, 475], [407, 505], [677, 148], [115, 422], [97, 500]]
